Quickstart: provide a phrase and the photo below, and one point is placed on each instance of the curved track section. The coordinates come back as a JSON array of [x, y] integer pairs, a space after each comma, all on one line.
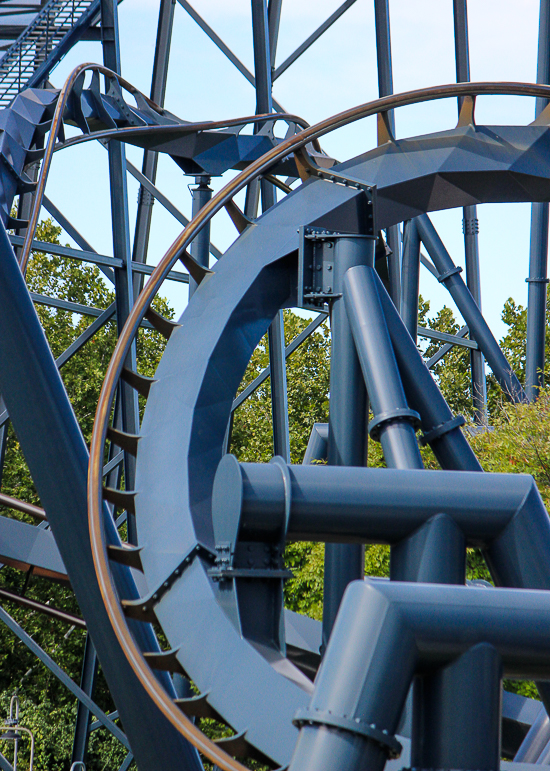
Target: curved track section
[[190, 401]]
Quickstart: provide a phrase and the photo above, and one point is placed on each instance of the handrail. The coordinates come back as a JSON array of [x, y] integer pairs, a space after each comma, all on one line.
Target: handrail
[[260, 166]]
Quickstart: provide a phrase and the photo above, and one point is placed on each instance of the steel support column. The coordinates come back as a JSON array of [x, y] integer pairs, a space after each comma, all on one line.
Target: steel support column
[[436, 552], [264, 30], [200, 247], [449, 276], [410, 277], [348, 420], [121, 245], [87, 683], [385, 88], [150, 158], [538, 252], [469, 219]]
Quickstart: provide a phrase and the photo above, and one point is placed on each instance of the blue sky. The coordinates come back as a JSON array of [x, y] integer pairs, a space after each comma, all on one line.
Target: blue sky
[[338, 72]]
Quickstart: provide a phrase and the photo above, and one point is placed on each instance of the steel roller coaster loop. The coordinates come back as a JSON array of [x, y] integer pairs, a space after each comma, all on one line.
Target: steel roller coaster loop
[[259, 167]]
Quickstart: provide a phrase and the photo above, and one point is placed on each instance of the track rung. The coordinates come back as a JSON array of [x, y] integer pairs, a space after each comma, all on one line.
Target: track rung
[[238, 218], [239, 747], [140, 610], [126, 555], [123, 499], [128, 442], [141, 383], [198, 706], [235, 745], [160, 323], [166, 661]]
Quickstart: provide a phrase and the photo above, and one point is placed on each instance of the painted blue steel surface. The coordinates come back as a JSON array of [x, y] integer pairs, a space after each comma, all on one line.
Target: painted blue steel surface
[[43, 419]]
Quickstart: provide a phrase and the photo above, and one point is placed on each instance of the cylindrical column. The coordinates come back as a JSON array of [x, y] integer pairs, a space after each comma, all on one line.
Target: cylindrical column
[[200, 246], [538, 253], [449, 276], [385, 88], [348, 416], [393, 422], [433, 554], [442, 430], [150, 157], [279, 396], [410, 276], [456, 713], [469, 221], [477, 359], [360, 689], [536, 300]]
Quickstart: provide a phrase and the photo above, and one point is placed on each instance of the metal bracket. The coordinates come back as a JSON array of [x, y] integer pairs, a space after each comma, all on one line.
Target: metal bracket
[[442, 429], [264, 561], [353, 725], [142, 609], [444, 276], [315, 267], [411, 416]]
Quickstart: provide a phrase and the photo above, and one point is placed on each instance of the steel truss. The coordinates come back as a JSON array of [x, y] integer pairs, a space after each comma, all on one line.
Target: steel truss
[[209, 533]]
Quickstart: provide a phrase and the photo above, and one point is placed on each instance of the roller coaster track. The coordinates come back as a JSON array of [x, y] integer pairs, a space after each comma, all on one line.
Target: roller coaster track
[[206, 564]]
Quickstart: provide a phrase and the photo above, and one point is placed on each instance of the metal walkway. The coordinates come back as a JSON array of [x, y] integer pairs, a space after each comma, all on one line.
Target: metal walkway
[[54, 30]]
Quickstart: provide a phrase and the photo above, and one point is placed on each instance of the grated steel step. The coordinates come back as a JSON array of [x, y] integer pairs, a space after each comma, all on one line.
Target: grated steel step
[[39, 43]]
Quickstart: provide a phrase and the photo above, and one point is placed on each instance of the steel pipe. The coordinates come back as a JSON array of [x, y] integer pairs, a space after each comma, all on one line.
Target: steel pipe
[[449, 275], [347, 441], [393, 422]]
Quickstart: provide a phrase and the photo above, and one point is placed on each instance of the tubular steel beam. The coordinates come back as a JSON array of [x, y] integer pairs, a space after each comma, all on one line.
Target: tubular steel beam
[[200, 248], [443, 337], [150, 158], [162, 199], [124, 289], [412, 629], [385, 88], [222, 46], [266, 372], [393, 423], [41, 654], [449, 276], [438, 355], [87, 683], [469, 220], [276, 332], [348, 411], [538, 252], [410, 277], [312, 38], [274, 23]]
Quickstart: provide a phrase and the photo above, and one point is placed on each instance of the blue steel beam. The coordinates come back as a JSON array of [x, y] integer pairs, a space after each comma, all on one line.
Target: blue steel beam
[[538, 251], [42, 416], [385, 88], [469, 220], [449, 276], [276, 331], [311, 39], [348, 415]]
